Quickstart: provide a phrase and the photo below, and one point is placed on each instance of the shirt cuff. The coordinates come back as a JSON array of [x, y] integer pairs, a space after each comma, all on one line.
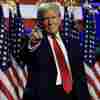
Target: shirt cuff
[[34, 46]]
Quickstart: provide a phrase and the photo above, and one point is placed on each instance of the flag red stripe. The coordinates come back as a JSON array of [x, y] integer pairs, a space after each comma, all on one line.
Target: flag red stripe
[[4, 89], [91, 81], [96, 73], [10, 78], [25, 74], [16, 74], [22, 72]]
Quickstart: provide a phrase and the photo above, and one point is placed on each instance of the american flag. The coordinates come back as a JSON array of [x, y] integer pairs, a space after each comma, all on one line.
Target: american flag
[[17, 33], [13, 73], [67, 26], [89, 54], [70, 31], [66, 22], [6, 90], [73, 29]]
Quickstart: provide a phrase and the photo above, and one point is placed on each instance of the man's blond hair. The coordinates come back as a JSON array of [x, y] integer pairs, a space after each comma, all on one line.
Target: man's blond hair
[[44, 7]]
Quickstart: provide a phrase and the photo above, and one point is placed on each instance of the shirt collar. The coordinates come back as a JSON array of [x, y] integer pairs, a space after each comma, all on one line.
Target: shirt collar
[[55, 36]]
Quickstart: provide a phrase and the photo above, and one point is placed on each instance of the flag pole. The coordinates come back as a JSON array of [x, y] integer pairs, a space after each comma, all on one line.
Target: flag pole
[[71, 5]]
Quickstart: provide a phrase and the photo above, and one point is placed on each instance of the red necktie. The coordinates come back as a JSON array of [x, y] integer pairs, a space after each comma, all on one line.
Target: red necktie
[[64, 71]]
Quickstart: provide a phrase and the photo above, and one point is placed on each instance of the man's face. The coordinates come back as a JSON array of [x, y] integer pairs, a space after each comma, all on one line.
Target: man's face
[[51, 21]]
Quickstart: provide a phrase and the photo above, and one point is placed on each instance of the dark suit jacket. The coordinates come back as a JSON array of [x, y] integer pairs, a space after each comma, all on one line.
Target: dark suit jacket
[[43, 71]]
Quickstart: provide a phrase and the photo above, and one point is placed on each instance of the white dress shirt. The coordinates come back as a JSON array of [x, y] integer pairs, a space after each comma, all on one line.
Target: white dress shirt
[[60, 42]]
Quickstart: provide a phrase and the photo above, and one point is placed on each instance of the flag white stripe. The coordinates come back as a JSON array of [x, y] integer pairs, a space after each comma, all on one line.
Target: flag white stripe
[[26, 71], [92, 92], [21, 76], [2, 96], [13, 77], [97, 68], [8, 84], [15, 81], [91, 74], [19, 71]]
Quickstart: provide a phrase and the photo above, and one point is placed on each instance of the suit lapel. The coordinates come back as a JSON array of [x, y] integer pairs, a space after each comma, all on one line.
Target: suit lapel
[[45, 53], [46, 56]]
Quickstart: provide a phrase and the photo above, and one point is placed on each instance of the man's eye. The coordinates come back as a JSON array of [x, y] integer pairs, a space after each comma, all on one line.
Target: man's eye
[[49, 18], [45, 18]]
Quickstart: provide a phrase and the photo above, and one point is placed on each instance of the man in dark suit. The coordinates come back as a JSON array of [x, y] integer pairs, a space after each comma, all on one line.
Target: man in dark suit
[[55, 67]]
